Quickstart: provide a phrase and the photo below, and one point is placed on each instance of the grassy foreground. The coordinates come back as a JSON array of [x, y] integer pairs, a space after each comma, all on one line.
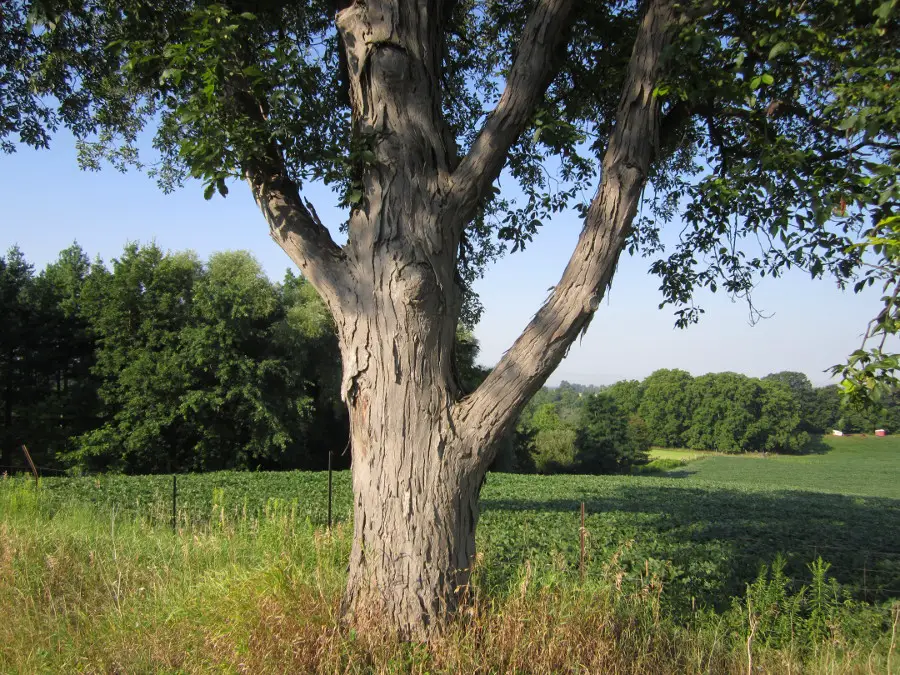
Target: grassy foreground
[[92, 578]]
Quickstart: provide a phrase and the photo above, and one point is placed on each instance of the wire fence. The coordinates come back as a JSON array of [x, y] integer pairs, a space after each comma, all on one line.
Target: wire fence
[[24, 469], [876, 570]]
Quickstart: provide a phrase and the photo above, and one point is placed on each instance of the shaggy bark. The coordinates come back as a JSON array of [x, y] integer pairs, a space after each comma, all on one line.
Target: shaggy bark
[[420, 451]]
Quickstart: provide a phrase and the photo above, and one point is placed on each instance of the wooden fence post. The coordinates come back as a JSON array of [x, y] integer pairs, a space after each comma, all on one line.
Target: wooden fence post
[[30, 463]]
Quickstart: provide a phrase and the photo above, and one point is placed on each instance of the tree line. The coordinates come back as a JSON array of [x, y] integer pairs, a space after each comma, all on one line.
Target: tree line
[[160, 362], [609, 429]]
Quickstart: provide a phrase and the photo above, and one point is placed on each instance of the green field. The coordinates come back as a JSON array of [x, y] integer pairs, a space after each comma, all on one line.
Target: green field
[[844, 465], [705, 528], [677, 454], [693, 539]]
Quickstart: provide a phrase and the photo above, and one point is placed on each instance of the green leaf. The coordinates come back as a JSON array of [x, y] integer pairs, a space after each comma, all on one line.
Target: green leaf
[[884, 10], [778, 49], [767, 79], [754, 83], [171, 74], [253, 71], [209, 191]]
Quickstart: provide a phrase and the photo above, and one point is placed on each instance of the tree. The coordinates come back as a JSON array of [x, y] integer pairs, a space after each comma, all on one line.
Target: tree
[[16, 348], [803, 393], [137, 313], [553, 440], [244, 402], [735, 413], [207, 367], [68, 405], [606, 442], [781, 425], [627, 394], [724, 408], [666, 406], [743, 116], [827, 409]]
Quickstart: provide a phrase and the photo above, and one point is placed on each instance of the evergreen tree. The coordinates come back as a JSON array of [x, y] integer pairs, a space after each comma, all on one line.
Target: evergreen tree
[[16, 356], [69, 405]]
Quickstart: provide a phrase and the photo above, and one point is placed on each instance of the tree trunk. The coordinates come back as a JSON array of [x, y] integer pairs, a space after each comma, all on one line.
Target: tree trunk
[[415, 510], [415, 486], [415, 482], [420, 451]]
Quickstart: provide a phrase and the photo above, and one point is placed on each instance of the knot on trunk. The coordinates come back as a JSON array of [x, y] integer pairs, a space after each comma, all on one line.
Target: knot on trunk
[[390, 64], [418, 285]]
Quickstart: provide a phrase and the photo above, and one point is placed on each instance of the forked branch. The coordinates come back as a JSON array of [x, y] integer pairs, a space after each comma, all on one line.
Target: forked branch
[[490, 411], [296, 228]]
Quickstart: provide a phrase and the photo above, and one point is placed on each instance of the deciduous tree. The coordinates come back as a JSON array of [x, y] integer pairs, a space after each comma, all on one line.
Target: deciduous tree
[[606, 442], [754, 120]]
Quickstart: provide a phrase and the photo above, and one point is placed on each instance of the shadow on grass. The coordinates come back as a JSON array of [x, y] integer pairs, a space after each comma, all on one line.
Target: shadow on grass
[[816, 446], [716, 540]]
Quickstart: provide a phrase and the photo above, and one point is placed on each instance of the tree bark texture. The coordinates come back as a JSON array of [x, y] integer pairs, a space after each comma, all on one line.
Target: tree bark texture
[[420, 450]]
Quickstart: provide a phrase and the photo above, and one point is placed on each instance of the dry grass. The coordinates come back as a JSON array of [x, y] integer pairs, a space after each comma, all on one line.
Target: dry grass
[[84, 593]]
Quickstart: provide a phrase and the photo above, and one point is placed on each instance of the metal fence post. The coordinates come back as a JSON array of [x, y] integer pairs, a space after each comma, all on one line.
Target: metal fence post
[[329, 489], [174, 501]]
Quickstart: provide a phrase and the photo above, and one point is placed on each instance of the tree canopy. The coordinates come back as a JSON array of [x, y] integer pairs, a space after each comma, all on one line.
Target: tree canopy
[[164, 363], [724, 412], [778, 139]]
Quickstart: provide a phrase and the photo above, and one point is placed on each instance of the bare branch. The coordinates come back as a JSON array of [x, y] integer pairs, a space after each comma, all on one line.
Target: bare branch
[[492, 409], [296, 228], [528, 80]]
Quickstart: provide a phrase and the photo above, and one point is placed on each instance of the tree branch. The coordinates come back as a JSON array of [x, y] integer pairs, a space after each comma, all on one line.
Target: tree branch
[[528, 79], [293, 223], [296, 228], [489, 413]]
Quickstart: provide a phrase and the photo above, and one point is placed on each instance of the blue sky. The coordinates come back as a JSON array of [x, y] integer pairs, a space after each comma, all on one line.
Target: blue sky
[[48, 203]]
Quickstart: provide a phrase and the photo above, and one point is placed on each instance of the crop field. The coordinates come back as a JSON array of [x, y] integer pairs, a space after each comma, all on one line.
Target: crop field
[[704, 529], [250, 582], [859, 465]]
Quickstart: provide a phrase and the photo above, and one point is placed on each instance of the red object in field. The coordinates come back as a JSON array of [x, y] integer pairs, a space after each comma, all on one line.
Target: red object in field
[[880, 432]]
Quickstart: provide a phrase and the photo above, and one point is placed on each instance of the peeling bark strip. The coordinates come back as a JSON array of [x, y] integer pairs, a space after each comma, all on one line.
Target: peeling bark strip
[[419, 452]]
